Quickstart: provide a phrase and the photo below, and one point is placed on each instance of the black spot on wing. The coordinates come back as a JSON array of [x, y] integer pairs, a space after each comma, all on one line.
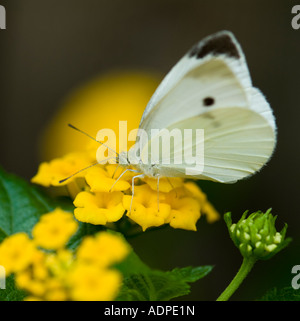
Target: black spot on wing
[[216, 45], [208, 101]]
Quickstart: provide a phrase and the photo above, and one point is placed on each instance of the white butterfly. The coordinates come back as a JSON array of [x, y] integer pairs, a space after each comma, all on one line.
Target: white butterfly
[[210, 88]]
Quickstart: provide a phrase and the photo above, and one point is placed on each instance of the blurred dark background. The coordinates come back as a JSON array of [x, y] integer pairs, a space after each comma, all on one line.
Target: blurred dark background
[[50, 47]]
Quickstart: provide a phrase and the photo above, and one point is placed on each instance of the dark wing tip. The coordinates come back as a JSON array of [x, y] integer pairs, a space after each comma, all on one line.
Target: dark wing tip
[[220, 43]]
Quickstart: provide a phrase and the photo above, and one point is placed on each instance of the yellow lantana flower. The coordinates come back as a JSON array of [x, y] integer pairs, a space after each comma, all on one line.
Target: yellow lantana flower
[[54, 229], [181, 207], [89, 283], [166, 184], [99, 208], [104, 249], [16, 253], [59, 262], [51, 173], [207, 208], [100, 179], [91, 278], [185, 210], [33, 278], [64, 274], [145, 208]]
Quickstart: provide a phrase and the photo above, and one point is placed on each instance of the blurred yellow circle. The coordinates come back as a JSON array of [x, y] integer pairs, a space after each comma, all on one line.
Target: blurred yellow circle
[[100, 103]]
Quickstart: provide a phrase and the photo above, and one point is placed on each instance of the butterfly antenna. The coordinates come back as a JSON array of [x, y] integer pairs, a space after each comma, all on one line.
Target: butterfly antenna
[[86, 134], [83, 169], [65, 179]]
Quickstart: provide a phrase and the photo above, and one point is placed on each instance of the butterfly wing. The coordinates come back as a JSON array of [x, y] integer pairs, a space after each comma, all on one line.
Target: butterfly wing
[[210, 88], [237, 143], [222, 41]]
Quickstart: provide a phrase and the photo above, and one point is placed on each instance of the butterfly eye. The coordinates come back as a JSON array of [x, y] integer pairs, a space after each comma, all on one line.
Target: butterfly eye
[[208, 101]]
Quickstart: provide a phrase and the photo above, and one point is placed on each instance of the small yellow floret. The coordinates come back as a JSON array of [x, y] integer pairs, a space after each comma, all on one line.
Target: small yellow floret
[[54, 229], [16, 253], [99, 208], [104, 249]]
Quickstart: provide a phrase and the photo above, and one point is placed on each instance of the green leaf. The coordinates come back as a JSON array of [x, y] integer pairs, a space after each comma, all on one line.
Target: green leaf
[[152, 286], [11, 293], [141, 283], [22, 204], [191, 274], [284, 294]]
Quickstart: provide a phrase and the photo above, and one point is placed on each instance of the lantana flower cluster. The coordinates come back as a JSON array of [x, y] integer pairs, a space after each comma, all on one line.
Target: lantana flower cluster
[[46, 269], [99, 194], [102, 195]]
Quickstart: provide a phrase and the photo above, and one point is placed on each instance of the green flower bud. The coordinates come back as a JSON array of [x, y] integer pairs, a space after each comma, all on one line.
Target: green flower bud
[[256, 236]]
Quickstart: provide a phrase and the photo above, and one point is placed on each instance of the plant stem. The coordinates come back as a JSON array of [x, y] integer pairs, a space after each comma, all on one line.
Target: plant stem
[[245, 268]]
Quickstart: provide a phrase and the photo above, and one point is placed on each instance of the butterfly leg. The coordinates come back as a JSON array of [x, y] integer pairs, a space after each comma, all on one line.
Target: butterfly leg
[[132, 187], [115, 171], [126, 170]]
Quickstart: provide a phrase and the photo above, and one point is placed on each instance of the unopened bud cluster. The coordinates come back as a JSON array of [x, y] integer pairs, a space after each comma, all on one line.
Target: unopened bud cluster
[[256, 235]]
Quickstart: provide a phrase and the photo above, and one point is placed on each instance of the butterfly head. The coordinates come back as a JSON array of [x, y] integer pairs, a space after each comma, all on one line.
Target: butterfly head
[[122, 159]]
